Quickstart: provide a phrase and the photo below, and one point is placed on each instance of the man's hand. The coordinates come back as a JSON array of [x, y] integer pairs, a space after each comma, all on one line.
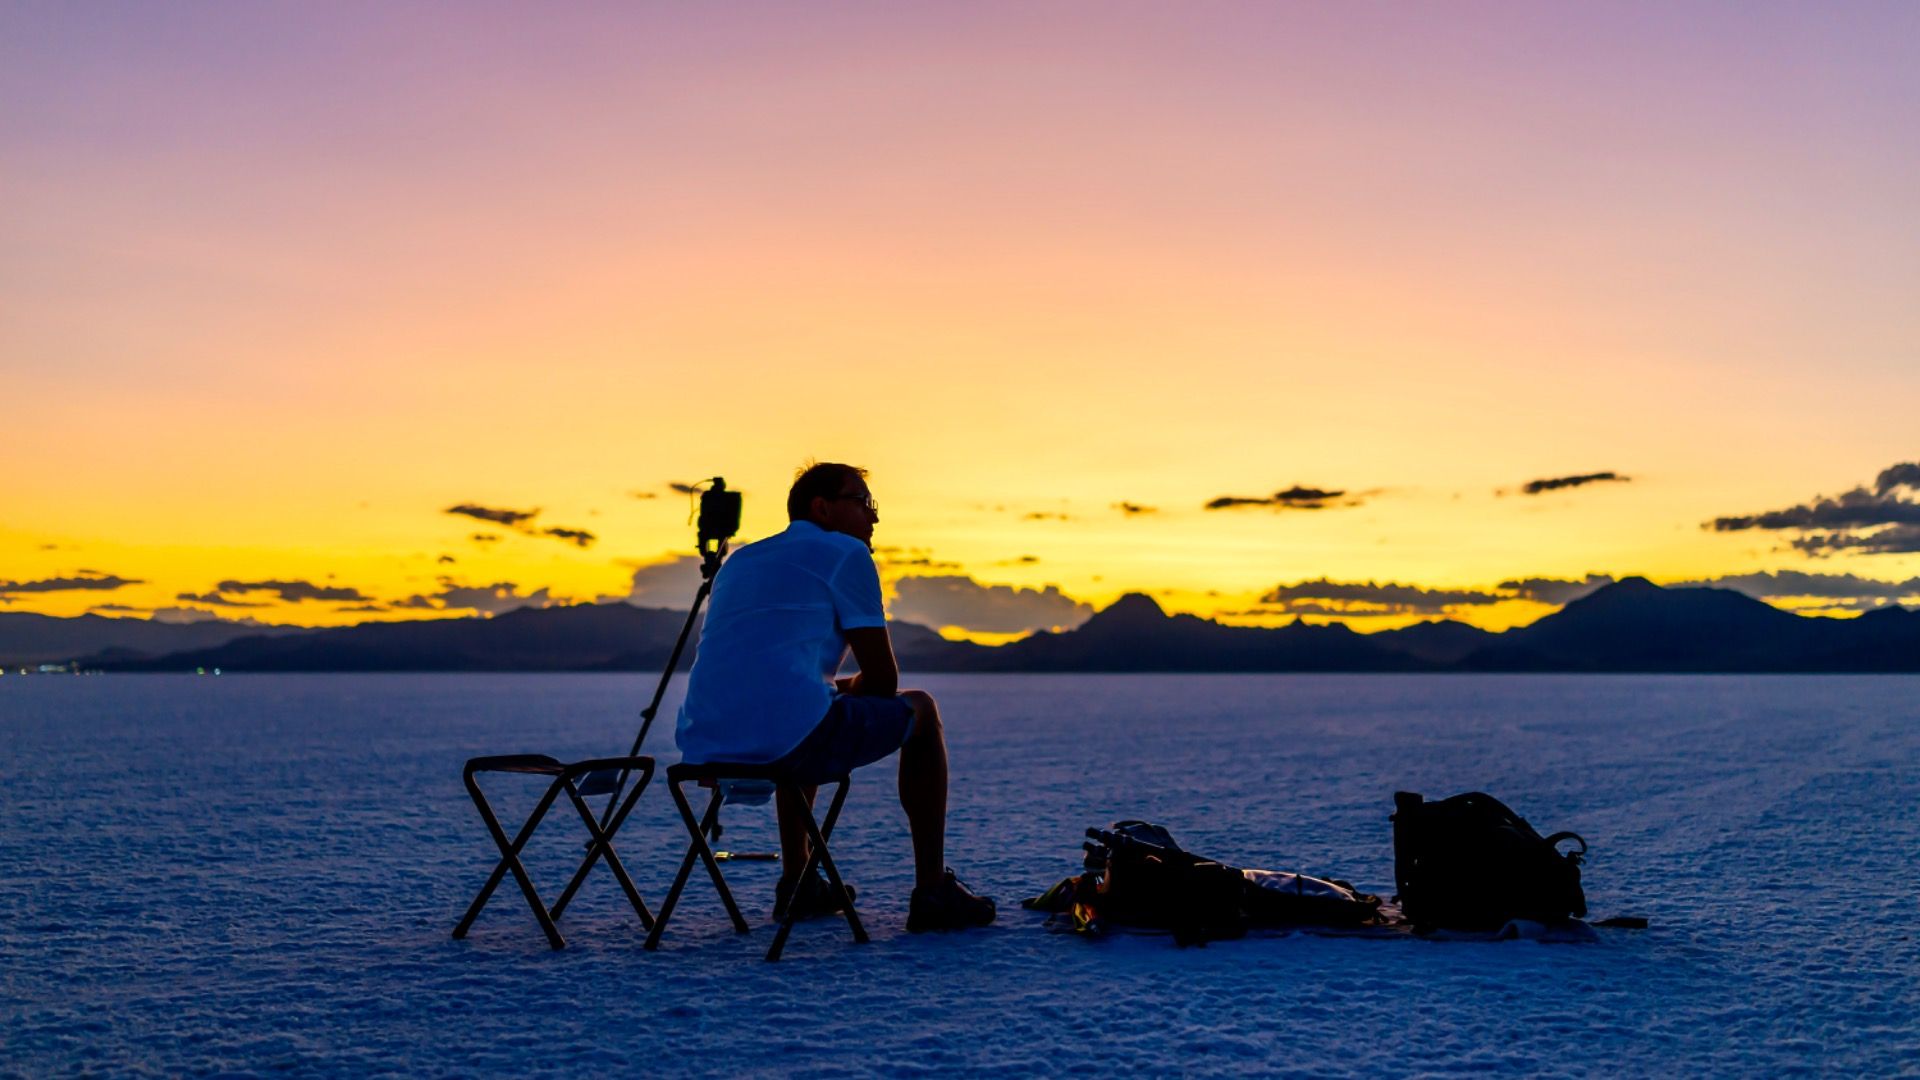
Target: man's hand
[[879, 670]]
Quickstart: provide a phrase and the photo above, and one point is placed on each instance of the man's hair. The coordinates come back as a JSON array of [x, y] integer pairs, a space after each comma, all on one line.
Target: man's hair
[[821, 479]]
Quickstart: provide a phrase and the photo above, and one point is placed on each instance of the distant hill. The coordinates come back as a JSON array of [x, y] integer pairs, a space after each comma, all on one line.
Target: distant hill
[[1136, 635], [1630, 626], [1635, 625], [26, 638], [584, 637]]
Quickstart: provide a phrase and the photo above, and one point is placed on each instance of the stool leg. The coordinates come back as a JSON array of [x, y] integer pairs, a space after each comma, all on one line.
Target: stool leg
[[593, 853], [603, 843], [510, 860], [819, 838], [819, 855], [698, 849]]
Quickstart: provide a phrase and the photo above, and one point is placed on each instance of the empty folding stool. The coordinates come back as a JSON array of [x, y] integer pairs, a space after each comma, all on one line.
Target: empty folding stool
[[578, 781]]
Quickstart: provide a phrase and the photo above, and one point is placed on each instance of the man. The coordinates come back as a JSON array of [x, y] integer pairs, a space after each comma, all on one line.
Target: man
[[785, 610]]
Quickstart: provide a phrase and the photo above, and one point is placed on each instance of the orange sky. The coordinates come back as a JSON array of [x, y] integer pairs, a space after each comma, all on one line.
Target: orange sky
[[280, 286]]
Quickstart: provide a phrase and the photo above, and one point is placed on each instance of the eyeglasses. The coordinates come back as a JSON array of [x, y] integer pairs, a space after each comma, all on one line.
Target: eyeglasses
[[865, 500]]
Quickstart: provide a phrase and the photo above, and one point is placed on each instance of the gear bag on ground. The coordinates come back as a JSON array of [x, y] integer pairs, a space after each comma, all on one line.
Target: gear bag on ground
[[1470, 863], [1137, 876]]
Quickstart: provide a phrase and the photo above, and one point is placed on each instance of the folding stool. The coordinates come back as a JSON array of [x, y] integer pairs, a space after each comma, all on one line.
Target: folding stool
[[717, 776], [603, 776]]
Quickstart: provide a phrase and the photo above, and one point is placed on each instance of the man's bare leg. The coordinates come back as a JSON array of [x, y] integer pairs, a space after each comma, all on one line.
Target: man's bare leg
[[794, 846], [923, 788]]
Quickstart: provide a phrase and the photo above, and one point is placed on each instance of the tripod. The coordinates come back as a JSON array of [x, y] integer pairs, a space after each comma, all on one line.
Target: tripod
[[712, 551]]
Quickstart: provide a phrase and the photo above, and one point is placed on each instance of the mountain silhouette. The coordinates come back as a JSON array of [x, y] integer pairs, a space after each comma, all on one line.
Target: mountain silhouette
[[1134, 634], [1629, 626], [585, 637], [1635, 625], [27, 638]]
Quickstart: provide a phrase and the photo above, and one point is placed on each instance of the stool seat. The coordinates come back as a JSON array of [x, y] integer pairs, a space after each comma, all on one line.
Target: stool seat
[[701, 772]]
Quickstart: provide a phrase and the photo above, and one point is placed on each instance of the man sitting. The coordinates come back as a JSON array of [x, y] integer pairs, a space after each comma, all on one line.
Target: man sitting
[[784, 612]]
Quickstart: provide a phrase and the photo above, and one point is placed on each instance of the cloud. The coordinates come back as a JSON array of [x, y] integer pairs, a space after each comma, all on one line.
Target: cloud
[[182, 615], [357, 608], [577, 537], [520, 521], [292, 592], [513, 519], [115, 609], [1905, 475], [1315, 607], [486, 538], [684, 489], [894, 558], [1327, 597], [1842, 590], [445, 559], [1555, 590], [1043, 515], [495, 599], [953, 600], [644, 494], [1899, 540], [1870, 521], [1536, 487], [81, 581], [1856, 509], [1297, 497], [669, 583], [1132, 509], [218, 600]]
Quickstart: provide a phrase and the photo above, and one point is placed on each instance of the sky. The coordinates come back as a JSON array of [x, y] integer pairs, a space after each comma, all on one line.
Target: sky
[[1444, 310]]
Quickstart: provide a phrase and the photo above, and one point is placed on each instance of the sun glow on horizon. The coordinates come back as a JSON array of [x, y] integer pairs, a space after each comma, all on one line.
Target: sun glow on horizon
[[284, 286]]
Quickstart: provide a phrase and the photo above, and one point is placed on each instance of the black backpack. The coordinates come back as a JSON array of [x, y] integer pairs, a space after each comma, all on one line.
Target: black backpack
[[1470, 863]]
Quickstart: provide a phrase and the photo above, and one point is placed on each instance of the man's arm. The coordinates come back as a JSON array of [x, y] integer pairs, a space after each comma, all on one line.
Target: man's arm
[[879, 670]]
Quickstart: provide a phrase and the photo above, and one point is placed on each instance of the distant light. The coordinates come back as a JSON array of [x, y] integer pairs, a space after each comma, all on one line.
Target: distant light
[[199, 671]]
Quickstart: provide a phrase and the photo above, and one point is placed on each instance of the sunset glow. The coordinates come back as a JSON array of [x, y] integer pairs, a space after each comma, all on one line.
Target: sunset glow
[[279, 287]]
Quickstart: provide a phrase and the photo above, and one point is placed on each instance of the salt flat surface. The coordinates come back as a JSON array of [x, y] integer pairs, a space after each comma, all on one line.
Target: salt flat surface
[[259, 874]]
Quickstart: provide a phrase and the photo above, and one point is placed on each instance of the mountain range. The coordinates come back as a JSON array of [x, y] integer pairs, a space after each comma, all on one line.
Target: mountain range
[[1629, 626]]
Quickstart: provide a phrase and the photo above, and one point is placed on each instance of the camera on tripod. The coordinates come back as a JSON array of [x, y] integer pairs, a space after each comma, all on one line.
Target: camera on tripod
[[719, 519]]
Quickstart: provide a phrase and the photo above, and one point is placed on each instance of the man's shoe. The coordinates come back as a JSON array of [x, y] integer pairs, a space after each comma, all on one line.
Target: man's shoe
[[949, 905], [816, 899]]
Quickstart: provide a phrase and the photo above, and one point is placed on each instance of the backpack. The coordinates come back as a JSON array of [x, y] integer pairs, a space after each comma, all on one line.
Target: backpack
[[1470, 863]]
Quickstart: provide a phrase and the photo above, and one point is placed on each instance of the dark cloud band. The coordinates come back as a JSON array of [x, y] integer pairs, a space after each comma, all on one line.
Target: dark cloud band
[[1297, 497], [86, 581], [1869, 521], [1557, 483], [510, 518], [292, 591], [1375, 598]]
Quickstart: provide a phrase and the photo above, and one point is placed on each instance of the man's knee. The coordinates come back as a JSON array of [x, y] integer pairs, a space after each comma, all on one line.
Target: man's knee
[[926, 714]]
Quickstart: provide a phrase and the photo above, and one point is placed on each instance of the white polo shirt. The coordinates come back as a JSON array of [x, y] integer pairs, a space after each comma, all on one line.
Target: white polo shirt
[[774, 638]]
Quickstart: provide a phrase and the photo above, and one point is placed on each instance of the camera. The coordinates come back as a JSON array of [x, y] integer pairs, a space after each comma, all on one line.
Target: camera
[[719, 515]]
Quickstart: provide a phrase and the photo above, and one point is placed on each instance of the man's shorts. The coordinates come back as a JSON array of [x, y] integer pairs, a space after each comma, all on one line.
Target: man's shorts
[[857, 730]]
